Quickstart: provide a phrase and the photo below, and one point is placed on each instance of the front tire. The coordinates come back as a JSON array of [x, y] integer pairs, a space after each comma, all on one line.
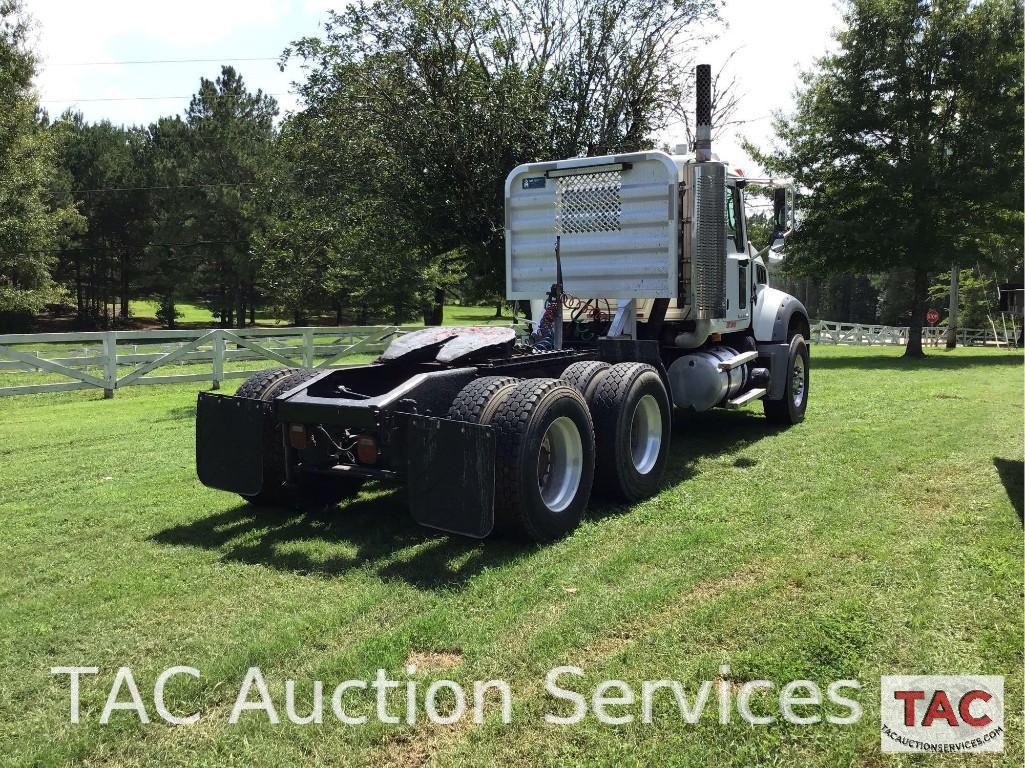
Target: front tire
[[633, 423], [790, 409], [544, 466]]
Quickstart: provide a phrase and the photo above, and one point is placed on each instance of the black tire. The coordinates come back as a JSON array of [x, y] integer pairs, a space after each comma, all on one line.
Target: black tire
[[790, 409], [478, 400], [586, 377], [631, 466], [521, 424], [266, 386]]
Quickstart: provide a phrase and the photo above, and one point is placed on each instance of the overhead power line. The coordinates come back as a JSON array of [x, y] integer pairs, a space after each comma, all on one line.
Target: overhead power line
[[159, 61], [113, 249], [138, 98], [214, 185]]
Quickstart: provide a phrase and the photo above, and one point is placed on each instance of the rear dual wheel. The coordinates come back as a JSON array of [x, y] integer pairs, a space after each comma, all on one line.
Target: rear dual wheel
[[266, 386], [586, 377], [632, 424], [548, 445], [544, 452]]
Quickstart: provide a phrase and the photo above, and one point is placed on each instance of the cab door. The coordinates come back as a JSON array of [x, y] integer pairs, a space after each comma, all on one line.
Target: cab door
[[738, 261]]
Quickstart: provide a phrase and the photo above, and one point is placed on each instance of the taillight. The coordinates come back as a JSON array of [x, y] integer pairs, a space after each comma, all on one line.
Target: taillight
[[366, 450]]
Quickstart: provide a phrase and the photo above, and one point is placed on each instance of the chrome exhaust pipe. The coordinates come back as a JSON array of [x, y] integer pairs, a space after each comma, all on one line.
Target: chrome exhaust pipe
[[703, 113]]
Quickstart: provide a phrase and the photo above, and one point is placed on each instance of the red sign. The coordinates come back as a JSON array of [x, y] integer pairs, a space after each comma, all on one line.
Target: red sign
[[932, 316]]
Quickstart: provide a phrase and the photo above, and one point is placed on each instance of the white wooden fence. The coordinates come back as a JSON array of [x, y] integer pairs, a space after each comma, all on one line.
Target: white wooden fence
[[109, 360], [830, 332]]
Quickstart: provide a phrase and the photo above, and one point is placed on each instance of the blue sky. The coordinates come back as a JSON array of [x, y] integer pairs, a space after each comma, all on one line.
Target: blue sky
[[773, 41], [71, 33]]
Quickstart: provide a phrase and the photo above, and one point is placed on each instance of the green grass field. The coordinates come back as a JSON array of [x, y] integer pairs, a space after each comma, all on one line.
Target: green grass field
[[195, 315], [881, 536]]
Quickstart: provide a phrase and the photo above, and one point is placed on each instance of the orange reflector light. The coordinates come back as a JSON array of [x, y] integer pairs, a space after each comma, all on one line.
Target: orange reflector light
[[366, 450], [297, 436]]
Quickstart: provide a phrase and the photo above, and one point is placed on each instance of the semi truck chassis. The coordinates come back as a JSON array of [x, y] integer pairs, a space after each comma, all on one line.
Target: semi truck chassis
[[494, 435], [489, 434]]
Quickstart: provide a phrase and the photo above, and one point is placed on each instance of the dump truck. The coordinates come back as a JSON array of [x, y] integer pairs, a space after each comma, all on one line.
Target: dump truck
[[646, 296]]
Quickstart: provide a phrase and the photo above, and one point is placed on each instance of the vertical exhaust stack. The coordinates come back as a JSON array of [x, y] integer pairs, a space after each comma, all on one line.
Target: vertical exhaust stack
[[703, 113], [708, 233]]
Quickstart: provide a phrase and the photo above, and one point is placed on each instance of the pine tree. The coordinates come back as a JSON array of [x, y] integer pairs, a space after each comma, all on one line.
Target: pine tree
[[33, 221]]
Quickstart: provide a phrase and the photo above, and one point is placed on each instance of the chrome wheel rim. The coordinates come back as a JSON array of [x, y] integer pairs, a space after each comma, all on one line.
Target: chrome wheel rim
[[560, 464], [798, 381], [645, 434]]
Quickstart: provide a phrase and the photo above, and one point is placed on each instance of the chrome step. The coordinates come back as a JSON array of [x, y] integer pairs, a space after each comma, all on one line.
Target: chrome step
[[748, 397], [737, 360]]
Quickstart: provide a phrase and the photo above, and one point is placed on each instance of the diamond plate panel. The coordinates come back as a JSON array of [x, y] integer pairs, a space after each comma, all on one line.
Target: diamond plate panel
[[589, 202]]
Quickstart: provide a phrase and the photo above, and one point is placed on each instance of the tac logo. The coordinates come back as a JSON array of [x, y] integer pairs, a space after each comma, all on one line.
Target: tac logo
[[942, 713]]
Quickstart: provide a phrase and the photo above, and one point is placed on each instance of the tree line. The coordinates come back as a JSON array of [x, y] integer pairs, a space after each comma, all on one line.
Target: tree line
[[908, 142], [379, 200], [382, 197]]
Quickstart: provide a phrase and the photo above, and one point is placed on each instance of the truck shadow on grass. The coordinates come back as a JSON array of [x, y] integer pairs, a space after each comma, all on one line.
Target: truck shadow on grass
[[1012, 476], [378, 527], [321, 542]]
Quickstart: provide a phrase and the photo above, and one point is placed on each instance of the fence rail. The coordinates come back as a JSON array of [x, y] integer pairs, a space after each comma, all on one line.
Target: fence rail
[[110, 360], [830, 332]]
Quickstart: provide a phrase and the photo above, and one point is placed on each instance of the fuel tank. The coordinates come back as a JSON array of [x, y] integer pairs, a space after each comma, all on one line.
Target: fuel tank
[[698, 382]]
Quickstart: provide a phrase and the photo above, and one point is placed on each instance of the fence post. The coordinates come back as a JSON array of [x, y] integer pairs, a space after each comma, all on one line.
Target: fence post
[[109, 364], [218, 364], [307, 347]]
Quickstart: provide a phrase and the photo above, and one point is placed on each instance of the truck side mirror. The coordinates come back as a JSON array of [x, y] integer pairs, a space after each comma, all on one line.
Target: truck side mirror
[[779, 209], [780, 219]]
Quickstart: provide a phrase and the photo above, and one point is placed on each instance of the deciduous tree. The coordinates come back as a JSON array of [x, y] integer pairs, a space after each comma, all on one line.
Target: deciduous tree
[[424, 106], [908, 140]]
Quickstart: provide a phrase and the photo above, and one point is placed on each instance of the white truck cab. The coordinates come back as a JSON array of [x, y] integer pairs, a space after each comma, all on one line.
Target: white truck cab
[[636, 228], [653, 247]]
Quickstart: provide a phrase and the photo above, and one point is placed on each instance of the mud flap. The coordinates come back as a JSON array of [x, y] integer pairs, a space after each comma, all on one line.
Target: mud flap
[[451, 475], [229, 442]]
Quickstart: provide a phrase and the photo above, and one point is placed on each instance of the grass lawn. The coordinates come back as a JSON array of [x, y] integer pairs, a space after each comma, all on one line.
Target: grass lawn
[[191, 313], [881, 536], [195, 315]]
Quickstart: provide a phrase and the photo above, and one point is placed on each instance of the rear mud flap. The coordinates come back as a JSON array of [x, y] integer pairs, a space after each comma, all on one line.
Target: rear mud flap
[[451, 475], [229, 442]]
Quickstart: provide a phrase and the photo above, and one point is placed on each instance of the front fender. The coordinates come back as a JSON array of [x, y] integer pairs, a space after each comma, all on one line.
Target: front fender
[[772, 314]]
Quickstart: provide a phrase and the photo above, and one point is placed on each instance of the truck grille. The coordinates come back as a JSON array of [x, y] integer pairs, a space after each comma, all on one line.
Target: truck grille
[[589, 202]]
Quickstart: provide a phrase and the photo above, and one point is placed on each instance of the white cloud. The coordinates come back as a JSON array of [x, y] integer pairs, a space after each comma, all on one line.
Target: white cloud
[[69, 34], [774, 40]]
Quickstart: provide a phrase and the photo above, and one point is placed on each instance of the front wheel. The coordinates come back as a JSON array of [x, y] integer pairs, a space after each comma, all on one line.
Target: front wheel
[[791, 407]]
